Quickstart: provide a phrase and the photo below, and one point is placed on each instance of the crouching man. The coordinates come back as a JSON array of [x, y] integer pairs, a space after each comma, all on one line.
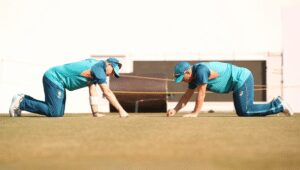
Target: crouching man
[[72, 76], [219, 77]]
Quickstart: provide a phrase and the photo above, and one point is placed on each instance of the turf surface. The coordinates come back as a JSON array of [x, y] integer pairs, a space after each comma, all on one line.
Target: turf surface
[[150, 141]]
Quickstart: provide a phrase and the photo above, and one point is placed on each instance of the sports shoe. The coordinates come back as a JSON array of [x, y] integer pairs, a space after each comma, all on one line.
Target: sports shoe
[[287, 110], [14, 109]]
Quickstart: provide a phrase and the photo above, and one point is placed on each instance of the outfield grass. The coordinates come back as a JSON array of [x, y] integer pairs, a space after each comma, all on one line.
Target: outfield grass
[[150, 141]]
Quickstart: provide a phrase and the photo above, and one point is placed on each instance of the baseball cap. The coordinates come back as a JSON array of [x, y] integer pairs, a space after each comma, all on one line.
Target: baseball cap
[[179, 71], [115, 64]]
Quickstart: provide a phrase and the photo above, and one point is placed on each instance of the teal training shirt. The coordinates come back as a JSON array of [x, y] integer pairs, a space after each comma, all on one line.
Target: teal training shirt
[[70, 75], [230, 77]]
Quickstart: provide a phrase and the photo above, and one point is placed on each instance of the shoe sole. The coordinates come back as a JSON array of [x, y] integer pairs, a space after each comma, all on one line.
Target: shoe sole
[[11, 110], [287, 108]]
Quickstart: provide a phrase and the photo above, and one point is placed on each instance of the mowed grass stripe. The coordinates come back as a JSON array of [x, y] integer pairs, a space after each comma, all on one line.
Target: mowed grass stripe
[[150, 141]]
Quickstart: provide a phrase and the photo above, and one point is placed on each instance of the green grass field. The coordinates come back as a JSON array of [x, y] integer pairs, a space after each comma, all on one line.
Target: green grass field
[[150, 141]]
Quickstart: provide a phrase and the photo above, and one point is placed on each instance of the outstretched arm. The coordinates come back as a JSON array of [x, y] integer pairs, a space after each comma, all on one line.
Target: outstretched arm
[[94, 99], [199, 101], [182, 102], [113, 100]]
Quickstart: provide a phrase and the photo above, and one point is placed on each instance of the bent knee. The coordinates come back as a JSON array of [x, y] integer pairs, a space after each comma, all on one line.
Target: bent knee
[[249, 114], [242, 113], [55, 114]]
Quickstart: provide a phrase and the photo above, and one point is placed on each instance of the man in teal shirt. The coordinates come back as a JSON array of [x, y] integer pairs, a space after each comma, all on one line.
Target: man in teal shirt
[[221, 77], [72, 76]]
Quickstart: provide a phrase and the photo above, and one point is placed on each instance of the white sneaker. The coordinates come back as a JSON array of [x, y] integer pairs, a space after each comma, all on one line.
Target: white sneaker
[[14, 109], [287, 110]]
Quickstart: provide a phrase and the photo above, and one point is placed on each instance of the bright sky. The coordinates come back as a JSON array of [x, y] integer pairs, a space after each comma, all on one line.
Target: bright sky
[[54, 28]]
